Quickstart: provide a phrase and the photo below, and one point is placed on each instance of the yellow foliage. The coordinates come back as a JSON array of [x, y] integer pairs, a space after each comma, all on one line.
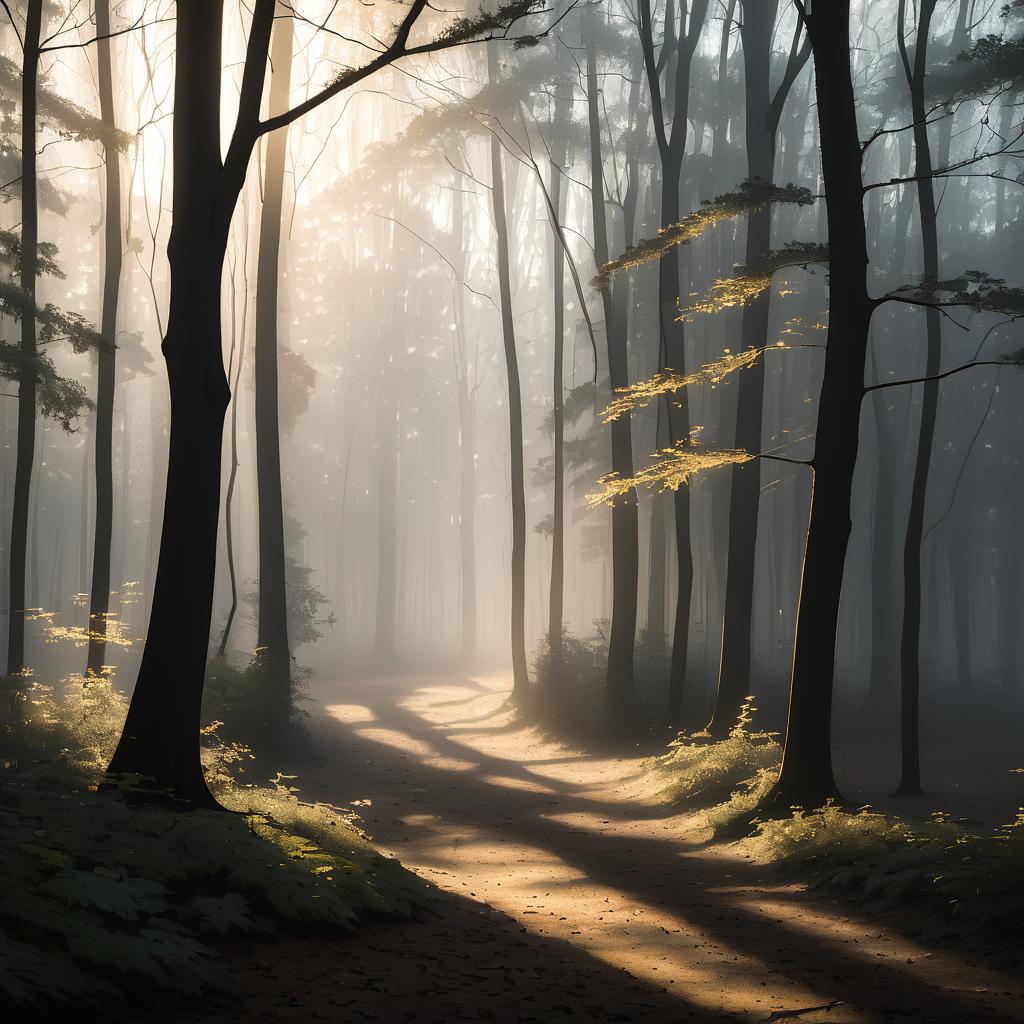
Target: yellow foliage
[[672, 468], [80, 636], [643, 392], [726, 293]]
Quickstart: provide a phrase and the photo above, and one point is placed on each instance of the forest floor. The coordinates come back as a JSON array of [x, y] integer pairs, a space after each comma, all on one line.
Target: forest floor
[[566, 891]]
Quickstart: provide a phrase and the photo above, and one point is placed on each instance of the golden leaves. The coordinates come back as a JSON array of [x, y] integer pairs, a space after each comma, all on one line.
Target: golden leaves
[[672, 467], [642, 392]]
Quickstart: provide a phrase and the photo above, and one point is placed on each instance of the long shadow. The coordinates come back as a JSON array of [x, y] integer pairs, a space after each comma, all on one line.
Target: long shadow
[[458, 961], [661, 872]]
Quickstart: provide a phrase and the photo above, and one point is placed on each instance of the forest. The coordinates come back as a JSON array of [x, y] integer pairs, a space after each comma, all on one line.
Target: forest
[[510, 512]]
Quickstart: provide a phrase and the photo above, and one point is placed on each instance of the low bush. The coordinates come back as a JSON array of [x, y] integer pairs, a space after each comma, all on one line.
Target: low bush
[[975, 879], [727, 777], [104, 897]]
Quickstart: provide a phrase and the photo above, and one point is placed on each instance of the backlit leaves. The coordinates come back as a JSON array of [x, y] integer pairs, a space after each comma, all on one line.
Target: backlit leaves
[[642, 392], [670, 469], [753, 194], [750, 281]]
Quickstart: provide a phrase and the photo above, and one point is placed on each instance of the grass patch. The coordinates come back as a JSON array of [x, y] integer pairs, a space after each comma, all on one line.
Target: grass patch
[[104, 899]]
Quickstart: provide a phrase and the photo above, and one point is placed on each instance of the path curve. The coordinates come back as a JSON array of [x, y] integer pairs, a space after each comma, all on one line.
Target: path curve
[[567, 893]]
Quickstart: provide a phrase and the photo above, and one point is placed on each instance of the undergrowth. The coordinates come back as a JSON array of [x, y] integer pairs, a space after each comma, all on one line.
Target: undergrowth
[[727, 777], [103, 898], [975, 879], [569, 696]]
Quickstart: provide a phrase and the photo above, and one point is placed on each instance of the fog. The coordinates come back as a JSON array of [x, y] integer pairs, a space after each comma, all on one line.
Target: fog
[[393, 387]]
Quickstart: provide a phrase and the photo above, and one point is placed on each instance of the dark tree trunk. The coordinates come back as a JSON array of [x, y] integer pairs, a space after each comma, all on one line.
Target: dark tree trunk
[[682, 40], [625, 542], [806, 776], [160, 741], [99, 603], [273, 656], [883, 537], [18, 551], [656, 569], [910, 643], [520, 671], [734, 682]]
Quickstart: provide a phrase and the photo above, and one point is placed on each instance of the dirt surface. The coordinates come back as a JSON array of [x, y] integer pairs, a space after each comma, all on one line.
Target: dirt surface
[[566, 892]]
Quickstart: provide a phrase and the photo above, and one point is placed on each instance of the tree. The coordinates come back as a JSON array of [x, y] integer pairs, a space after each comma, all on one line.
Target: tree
[[160, 740], [99, 598], [273, 655], [625, 543], [40, 387], [517, 483], [763, 114], [669, 110]]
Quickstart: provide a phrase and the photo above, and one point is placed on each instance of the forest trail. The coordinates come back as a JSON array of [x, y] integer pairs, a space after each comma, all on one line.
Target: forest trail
[[567, 893]]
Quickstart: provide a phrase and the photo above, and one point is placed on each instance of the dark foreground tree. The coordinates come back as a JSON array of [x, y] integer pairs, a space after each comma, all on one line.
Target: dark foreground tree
[[806, 776], [160, 741]]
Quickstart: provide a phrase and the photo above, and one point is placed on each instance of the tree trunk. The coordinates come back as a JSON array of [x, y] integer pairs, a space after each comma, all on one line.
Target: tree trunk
[[386, 629], [467, 441], [520, 671], [160, 741], [99, 603], [910, 643], [806, 776], [734, 682], [678, 418], [562, 111], [273, 656], [625, 542], [18, 551]]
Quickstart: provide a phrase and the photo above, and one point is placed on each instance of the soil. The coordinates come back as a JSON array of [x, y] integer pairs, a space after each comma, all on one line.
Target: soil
[[564, 891]]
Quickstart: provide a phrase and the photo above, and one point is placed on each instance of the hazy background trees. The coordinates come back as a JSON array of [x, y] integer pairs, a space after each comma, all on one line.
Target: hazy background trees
[[426, 305]]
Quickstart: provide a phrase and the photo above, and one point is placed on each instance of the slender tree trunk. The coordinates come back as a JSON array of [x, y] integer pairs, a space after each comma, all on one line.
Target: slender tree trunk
[[467, 441], [883, 537], [910, 644], [273, 655], [562, 111], [678, 418], [806, 776], [18, 551], [520, 671], [656, 570], [625, 543], [734, 682], [386, 628], [682, 39], [238, 355], [99, 604]]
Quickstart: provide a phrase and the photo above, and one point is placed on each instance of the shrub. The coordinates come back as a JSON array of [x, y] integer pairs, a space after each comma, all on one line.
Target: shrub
[[977, 880], [702, 772], [103, 897]]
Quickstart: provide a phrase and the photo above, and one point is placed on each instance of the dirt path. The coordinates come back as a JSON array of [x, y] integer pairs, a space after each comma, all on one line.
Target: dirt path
[[565, 895]]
